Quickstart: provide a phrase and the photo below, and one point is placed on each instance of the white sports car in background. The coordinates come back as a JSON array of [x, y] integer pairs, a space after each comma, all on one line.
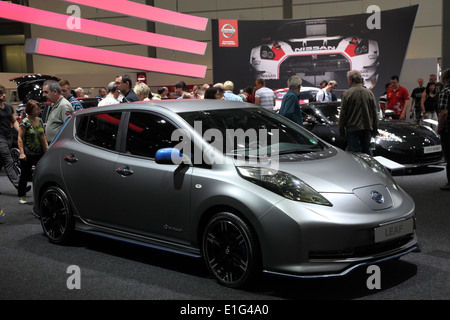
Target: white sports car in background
[[316, 57]]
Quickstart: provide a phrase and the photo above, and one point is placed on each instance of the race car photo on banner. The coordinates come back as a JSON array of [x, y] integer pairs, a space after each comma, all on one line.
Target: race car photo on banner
[[315, 49]]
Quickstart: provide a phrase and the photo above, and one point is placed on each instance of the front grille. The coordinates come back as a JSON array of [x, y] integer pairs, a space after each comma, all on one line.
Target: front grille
[[364, 251], [315, 64]]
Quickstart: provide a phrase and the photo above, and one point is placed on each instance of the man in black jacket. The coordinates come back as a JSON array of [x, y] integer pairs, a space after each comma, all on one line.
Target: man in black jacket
[[125, 85], [358, 120]]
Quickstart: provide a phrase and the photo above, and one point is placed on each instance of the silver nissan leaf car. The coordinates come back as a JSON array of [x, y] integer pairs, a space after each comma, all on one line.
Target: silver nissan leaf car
[[240, 186]]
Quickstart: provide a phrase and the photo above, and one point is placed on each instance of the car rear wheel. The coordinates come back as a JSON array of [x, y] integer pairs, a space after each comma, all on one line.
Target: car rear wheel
[[56, 215], [230, 250]]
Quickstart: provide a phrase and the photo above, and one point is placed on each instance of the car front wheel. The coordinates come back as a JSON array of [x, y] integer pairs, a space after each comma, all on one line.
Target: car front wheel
[[56, 215], [230, 250]]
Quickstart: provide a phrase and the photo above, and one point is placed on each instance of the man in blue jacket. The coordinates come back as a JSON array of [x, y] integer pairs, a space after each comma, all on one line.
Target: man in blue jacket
[[290, 105]]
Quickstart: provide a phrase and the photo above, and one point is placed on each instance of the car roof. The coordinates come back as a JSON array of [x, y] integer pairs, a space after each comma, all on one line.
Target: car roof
[[179, 105]]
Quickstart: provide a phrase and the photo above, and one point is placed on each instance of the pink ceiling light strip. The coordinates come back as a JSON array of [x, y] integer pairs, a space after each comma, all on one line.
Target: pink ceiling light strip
[[143, 11], [59, 21], [73, 52]]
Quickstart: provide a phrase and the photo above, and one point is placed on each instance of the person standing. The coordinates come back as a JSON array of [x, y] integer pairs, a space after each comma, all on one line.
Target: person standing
[[397, 99], [67, 93], [430, 103], [125, 87], [212, 93], [323, 84], [112, 96], [439, 85], [7, 118], [143, 91], [264, 97], [60, 110], [228, 94], [180, 89], [32, 145], [416, 99], [290, 105], [358, 120], [443, 128], [101, 93], [250, 91], [326, 94]]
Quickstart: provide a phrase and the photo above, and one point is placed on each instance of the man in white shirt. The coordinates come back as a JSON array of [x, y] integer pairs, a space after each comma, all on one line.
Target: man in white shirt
[[112, 96], [326, 94], [264, 97]]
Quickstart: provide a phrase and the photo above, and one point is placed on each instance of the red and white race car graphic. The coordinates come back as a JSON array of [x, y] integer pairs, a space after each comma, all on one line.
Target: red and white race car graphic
[[316, 58]]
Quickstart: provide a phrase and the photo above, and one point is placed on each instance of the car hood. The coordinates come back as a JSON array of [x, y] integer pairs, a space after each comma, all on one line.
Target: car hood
[[337, 171], [407, 131]]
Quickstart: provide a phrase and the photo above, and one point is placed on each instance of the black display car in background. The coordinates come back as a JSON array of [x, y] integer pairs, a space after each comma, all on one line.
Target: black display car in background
[[408, 144], [29, 87]]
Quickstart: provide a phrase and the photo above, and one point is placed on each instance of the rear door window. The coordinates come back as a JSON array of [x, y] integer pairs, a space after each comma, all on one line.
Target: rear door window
[[100, 130]]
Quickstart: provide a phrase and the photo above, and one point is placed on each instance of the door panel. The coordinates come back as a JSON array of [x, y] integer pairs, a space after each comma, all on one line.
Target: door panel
[[87, 165], [151, 199]]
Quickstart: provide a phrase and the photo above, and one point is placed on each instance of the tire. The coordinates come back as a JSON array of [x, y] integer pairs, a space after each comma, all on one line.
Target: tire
[[230, 250], [56, 216]]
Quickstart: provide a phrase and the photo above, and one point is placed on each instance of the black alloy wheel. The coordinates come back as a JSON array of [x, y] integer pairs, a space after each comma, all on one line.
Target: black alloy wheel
[[56, 215], [230, 250]]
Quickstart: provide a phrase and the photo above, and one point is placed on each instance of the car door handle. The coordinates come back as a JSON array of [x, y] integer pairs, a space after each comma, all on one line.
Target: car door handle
[[124, 171], [70, 158]]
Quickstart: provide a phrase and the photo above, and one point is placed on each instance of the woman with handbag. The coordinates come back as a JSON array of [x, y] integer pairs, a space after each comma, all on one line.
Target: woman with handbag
[[32, 145]]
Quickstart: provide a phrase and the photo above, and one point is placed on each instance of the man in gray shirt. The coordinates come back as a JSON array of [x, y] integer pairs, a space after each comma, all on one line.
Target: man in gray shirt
[[60, 110]]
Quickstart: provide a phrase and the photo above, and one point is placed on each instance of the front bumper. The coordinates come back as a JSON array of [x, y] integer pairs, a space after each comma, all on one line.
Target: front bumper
[[310, 241]]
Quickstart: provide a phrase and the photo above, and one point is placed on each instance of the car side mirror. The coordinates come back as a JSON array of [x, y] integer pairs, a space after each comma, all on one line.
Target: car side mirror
[[171, 156]]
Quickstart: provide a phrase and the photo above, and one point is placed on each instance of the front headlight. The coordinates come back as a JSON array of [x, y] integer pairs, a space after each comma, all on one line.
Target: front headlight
[[283, 183]]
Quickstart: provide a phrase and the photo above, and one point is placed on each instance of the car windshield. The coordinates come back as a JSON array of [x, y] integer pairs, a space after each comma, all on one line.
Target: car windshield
[[330, 111], [252, 132]]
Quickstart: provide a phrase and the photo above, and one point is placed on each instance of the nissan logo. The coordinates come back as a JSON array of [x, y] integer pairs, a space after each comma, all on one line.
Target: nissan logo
[[377, 197], [228, 30]]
